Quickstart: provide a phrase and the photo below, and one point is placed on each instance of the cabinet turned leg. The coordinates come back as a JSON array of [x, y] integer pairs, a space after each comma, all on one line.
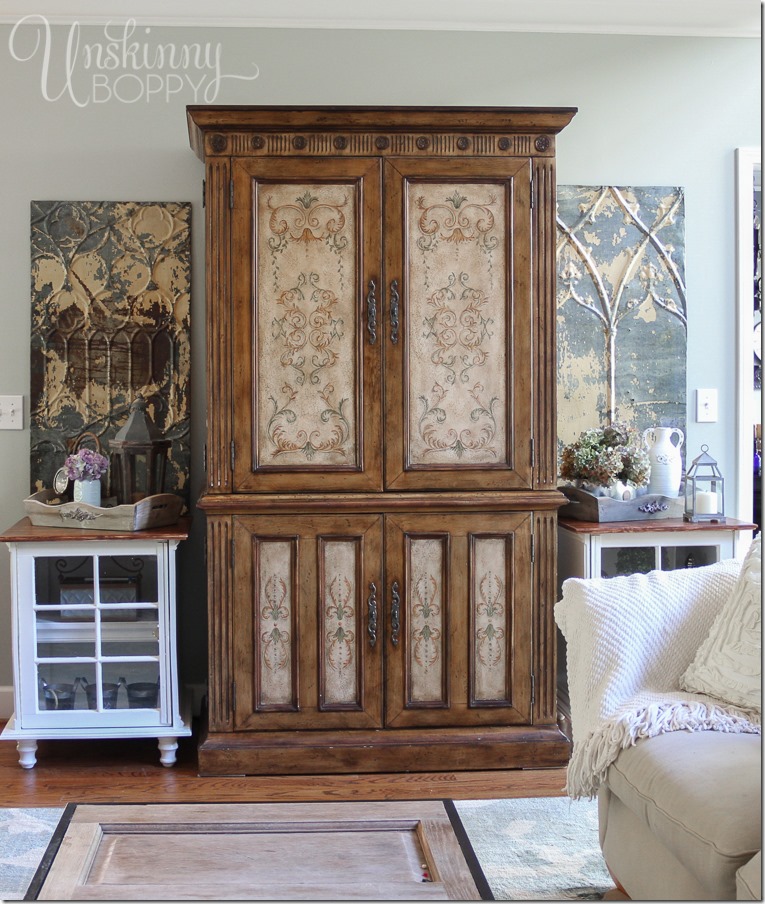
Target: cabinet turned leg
[[167, 748], [27, 750]]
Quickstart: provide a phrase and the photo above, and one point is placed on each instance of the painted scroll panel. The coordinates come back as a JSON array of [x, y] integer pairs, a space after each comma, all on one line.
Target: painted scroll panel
[[457, 324], [111, 286], [425, 617], [275, 624], [340, 623], [307, 321], [489, 599], [621, 307]]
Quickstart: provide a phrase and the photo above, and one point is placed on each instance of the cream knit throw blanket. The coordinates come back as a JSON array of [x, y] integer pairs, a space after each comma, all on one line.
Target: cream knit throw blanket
[[628, 640]]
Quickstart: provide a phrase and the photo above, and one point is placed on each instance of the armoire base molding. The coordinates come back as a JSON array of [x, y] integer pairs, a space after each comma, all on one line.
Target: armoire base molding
[[405, 750]]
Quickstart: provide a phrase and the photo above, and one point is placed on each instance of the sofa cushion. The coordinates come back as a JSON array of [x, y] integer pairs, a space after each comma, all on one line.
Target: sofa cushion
[[700, 794], [728, 663], [749, 880]]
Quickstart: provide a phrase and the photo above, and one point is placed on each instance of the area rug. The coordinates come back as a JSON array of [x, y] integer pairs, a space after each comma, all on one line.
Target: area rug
[[528, 848], [537, 849], [24, 837]]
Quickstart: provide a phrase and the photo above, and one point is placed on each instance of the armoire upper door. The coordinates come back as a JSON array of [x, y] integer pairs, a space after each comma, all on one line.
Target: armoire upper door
[[306, 346], [458, 338]]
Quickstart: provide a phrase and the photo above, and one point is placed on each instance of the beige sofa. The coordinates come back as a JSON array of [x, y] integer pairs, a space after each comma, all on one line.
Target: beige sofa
[[680, 817], [677, 773]]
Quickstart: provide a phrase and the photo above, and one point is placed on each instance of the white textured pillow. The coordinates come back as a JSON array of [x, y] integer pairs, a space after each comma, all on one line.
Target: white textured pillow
[[728, 663]]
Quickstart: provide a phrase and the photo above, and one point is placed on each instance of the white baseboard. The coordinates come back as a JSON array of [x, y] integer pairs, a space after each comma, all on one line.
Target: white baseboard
[[6, 702]]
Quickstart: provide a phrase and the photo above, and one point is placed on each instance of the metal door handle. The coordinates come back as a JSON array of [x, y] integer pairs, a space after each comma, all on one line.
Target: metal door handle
[[372, 312], [395, 614], [372, 613], [395, 300]]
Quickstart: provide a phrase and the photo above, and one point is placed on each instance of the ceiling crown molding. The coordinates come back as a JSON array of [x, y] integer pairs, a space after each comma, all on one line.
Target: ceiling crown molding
[[691, 18]]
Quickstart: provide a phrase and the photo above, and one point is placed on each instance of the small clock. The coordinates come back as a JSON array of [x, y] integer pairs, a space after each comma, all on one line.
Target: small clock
[[61, 481]]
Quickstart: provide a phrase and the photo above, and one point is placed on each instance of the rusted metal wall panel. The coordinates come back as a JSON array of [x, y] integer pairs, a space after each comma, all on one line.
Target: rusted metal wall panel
[[111, 289], [621, 307]]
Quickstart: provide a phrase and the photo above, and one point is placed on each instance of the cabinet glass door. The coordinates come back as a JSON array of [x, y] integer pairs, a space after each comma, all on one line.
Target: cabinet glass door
[[95, 626], [640, 559]]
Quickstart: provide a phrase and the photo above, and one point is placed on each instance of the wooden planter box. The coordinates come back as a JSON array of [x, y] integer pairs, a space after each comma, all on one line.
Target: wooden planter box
[[583, 506], [48, 509]]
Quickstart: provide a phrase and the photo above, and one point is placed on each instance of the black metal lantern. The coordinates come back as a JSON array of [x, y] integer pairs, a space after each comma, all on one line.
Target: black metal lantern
[[704, 490], [139, 454]]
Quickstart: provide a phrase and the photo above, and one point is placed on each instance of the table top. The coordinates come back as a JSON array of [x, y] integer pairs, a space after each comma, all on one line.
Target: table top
[[655, 525], [26, 532]]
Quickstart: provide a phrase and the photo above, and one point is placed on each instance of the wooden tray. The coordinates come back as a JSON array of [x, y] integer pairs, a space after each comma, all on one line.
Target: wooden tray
[[48, 509], [583, 506]]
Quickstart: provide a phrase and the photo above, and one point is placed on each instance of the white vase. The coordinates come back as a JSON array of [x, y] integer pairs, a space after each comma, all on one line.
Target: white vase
[[665, 458], [88, 491]]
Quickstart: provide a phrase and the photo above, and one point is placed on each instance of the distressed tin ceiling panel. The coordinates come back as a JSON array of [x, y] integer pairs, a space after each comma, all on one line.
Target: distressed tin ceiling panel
[[110, 320], [621, 308]]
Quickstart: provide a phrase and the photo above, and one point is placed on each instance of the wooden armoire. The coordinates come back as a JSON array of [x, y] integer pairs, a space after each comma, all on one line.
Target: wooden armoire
[[381, 463]]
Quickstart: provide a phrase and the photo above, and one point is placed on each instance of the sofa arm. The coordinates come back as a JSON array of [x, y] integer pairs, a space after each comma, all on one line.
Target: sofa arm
[[633, 633]]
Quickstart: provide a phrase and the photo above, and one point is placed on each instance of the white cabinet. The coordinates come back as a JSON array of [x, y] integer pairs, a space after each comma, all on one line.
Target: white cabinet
[[588, 549], [94, 650]]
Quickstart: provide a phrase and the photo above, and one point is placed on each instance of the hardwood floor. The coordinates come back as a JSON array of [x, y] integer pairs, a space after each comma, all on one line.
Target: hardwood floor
[[129, 771]]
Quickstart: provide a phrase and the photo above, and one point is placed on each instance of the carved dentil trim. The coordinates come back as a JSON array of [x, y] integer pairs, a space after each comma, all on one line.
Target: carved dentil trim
[[243, 144]]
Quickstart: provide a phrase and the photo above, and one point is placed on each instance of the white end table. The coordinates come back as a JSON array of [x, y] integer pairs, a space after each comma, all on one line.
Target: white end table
[[94, 636]]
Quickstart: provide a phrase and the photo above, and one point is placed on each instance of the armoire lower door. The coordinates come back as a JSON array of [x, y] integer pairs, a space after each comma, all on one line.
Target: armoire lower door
[[307, 642], [458, 620]]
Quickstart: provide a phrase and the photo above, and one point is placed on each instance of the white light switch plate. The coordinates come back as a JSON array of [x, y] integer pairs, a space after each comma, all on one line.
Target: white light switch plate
[[11, 412], [706, 406]]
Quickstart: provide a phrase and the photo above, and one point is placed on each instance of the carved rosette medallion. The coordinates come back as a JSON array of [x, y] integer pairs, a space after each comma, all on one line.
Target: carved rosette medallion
[[490, 618], [306, 324], [457, 329], [274, 605], [426, 621], [339, 623]]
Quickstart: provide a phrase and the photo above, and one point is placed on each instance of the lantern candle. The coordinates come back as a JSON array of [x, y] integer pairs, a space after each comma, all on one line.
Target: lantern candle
[[706, 503]]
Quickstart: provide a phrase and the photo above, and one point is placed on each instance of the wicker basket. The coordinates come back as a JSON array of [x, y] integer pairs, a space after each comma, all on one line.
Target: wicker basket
[[48, 509]]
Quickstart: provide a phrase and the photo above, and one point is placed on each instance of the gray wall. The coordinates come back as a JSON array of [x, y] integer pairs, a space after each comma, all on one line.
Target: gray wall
[[652, 111]]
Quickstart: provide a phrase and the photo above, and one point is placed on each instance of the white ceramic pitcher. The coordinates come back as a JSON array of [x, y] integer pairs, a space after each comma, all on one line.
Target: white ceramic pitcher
[[666, 461]]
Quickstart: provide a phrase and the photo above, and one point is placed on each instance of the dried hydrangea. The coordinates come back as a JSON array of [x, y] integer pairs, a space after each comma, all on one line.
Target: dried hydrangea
[[86, 465], [603, 455]]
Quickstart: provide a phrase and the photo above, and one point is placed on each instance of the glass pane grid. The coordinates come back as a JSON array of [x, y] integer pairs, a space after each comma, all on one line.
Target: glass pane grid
[[111, 659], [623, 560], [53, 660], [96, 624], [104, 686], [675, 557]]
